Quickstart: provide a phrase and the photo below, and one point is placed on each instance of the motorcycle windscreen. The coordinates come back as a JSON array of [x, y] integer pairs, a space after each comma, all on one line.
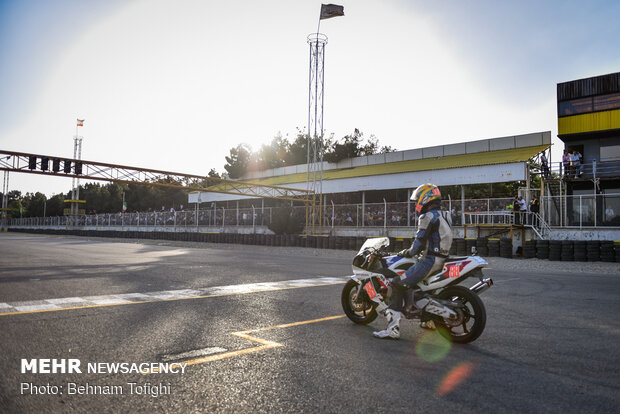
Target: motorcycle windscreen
[[376, 243]]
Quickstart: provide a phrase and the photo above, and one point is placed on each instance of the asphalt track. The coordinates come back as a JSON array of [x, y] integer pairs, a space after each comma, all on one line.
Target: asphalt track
[[261, 330]]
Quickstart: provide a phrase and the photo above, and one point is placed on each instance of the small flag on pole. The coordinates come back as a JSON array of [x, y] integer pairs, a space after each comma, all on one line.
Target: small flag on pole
[[331, 10], [80, 122], [124, 206]]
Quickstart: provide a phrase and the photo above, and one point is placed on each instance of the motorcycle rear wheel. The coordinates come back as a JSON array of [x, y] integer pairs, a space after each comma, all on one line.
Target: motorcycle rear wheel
[[472, 316], [361, 311]]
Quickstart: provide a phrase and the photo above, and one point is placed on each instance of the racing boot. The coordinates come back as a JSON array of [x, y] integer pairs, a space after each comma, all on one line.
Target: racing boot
[[428, 324], [393, 329]]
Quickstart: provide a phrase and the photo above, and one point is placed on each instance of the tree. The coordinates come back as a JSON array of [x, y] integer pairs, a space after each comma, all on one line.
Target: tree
[[274, 154], [298, 150], [238, 162], [350, 147]]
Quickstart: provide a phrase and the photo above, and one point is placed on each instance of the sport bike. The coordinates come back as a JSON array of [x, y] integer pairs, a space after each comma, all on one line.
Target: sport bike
[[456, 311]]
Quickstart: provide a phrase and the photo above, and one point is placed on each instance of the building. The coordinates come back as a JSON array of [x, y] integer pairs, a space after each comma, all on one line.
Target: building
[[589, 122]]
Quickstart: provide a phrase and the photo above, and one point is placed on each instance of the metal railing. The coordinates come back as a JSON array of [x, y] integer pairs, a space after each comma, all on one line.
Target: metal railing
[[605, 167]]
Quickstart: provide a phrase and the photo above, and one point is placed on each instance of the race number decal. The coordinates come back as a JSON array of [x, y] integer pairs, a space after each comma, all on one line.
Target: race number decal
[[370, 289], [454, 271]]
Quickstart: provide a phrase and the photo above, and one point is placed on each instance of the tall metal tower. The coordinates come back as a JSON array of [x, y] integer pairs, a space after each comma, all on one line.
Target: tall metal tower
[[77, 155], [317, 43], [5, 201]]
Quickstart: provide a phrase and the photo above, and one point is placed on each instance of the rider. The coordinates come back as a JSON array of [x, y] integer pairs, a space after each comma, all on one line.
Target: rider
[[433, 239]]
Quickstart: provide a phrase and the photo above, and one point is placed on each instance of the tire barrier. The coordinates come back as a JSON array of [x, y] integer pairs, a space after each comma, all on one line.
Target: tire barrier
[[505, 247], [494, 247], [469, 244], [482, 246], [568, 253], [461, 247], [607, 251], [529, 250], [554, 250], [579, 251], [453, 247], [593, 249], [542, 249]]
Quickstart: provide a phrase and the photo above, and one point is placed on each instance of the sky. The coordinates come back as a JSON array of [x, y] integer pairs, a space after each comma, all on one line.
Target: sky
[[174, 84]]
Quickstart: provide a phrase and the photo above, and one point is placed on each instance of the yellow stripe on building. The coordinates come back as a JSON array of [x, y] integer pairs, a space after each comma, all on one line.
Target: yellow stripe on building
[[597, 121]]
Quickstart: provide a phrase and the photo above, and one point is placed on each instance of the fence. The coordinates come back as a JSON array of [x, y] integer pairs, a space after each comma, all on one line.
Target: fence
[[565, 211], [605, 167], [582, 210]]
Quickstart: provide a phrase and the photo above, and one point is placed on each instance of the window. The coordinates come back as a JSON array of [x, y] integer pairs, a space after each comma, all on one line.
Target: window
[[607, 102], [610, 153], [589, 104], [575, 106]]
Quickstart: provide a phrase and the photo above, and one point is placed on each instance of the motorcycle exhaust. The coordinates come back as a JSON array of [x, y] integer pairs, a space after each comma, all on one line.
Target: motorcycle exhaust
[[481, 286]]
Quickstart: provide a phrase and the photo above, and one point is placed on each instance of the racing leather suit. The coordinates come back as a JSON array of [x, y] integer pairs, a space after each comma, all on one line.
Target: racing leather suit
[[434, 238]]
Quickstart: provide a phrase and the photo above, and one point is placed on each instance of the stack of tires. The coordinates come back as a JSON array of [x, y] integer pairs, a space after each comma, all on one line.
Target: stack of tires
[[555, 250], [505, 247], [567, 251], [493, 245], [607, 251], [482, 246], [461, 247], [453, 247], [529, 250], [579, 251], [542, 249], [469, 244], [593, 249]]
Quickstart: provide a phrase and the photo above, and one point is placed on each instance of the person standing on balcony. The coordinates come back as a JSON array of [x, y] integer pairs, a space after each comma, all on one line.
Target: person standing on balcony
[[575, 162], [534, 208], [522, 209], [566, 163], [544, 165]]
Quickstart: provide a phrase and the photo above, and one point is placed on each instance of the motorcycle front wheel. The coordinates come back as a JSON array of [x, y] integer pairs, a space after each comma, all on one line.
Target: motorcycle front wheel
[[356, 304], [471, 319]]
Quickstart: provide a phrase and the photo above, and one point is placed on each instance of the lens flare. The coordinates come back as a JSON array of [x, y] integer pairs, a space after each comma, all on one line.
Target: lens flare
[[455, 377], [432, 347]]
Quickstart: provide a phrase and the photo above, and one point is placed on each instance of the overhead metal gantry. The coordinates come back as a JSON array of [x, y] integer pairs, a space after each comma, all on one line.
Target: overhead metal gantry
[[55, 166]]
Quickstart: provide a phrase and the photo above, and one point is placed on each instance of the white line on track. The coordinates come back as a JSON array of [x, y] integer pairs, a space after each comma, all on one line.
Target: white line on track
[[41, 305]]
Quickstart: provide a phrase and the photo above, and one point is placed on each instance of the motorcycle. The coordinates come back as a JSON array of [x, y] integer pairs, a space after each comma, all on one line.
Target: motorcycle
[[457, 312]]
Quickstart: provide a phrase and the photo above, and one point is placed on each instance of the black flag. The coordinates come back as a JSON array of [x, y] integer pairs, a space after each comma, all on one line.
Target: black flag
[[331, 10]]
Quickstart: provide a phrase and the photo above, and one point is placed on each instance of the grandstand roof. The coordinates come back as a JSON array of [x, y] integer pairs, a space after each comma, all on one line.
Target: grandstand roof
[[426, 164], [476, 162]]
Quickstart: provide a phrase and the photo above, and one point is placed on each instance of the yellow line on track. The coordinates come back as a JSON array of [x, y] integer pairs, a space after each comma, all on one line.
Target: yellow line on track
[[264, 344]]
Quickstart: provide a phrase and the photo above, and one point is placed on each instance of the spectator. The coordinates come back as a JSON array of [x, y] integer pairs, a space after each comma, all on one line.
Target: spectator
[[566, 163], [515, 208], [544, 163], [534, 208], [520, 208], [575, 164]]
